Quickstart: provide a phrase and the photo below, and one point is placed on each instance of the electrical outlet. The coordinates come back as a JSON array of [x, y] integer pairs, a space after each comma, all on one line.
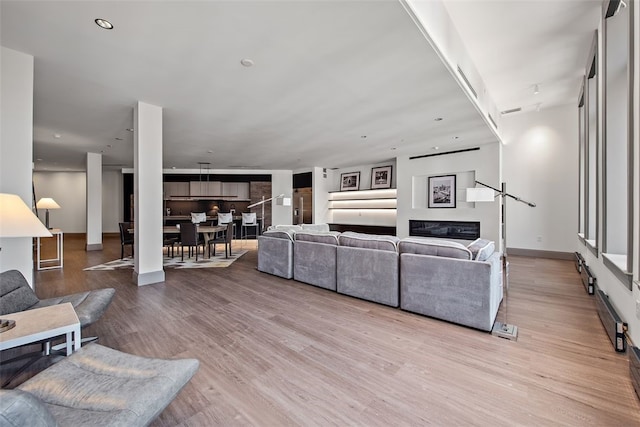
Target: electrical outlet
[[638, 309]]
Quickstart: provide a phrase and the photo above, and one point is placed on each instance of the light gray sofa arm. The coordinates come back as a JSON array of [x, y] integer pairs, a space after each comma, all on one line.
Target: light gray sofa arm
[[459, 291], [275, 254], [315, 258]]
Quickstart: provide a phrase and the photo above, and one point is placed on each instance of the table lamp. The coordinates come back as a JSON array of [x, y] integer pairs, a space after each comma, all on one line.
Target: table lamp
[[17, 220], [47, 203]]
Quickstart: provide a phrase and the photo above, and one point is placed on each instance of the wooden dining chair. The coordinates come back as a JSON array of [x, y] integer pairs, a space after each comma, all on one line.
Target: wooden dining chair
[[189, 237], [226, 238], [126, 238]]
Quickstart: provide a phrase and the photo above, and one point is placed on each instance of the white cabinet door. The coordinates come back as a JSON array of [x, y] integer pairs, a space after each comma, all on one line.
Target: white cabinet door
[[214, 189], [230, 189], [243, 191], [176, 189], [197, 189]]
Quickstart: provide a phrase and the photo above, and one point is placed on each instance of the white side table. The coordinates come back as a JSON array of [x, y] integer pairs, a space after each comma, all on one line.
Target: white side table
[[58, 260], [42, 324]]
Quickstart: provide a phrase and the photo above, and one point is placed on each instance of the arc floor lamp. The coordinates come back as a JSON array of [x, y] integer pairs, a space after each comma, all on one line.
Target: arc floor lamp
[[489, 194]]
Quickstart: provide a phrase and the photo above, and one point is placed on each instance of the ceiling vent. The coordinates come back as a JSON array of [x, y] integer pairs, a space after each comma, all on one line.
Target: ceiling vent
[[445, 153], [493, 122], [466, 81], [513, 110]]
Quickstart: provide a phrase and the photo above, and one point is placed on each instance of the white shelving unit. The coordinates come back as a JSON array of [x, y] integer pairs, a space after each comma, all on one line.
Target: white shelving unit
[[365, 207]]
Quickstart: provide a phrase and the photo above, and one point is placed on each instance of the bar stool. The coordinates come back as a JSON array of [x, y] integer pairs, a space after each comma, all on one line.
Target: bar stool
[[249, 220]]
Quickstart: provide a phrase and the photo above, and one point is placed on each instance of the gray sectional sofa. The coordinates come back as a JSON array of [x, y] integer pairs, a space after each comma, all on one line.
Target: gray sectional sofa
[[434, 277]]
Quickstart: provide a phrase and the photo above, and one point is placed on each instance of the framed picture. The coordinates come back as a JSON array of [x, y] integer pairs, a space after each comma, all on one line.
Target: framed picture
[[350, 181], [442, 191], [381, 177]]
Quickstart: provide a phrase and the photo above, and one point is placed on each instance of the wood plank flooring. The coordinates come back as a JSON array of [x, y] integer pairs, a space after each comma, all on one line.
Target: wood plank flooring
[[276, 352]]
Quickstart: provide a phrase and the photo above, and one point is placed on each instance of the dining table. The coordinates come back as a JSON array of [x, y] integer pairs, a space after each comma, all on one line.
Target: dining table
[[207, 231]]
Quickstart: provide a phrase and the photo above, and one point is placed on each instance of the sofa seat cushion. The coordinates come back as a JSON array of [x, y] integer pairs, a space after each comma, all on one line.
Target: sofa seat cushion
[[315, 227], [442, 248], [327, 237], [369, 241], [285, 227], [481, 249]]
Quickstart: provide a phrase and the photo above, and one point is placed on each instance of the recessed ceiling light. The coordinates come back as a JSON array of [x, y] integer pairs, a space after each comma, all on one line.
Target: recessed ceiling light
[[119, 139], [512, 110], [209, 151], [103, 23], [246, 62], [393, 148], [437, 119], [363, 136], [436, 148], [57, 136], [130, 129], [455, 137]]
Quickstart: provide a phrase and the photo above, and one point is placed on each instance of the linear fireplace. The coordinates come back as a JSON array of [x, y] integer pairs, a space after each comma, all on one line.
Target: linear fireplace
[[464, 230]]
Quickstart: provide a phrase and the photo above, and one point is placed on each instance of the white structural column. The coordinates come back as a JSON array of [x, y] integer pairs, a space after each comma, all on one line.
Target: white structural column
[[16, 150], [94, 202], [147, 189]]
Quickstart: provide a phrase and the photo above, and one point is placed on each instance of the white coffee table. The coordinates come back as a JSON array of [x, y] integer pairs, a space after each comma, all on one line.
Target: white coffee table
[[42, 324]]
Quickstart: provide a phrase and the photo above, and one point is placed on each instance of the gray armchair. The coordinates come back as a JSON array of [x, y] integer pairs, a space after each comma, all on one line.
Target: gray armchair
[[16, 295], [96, 386]]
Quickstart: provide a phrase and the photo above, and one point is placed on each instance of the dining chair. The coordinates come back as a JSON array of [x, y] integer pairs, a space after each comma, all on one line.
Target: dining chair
[[225, 218], [126, 238], [249, 220], [225, 237], [189, 237]]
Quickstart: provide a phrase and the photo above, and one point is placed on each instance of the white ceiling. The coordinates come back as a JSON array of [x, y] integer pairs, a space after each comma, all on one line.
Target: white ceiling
[[335, 83]]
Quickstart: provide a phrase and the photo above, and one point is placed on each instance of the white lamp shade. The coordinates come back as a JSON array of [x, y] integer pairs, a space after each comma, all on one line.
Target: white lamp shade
[[47, 203], [17, 220], [480, 195]]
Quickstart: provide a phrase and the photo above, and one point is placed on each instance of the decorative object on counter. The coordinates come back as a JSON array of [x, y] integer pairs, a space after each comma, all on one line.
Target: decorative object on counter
[[442, 191], [502, 330], [381, 177], [47, 203], [168, 211], [350, 181]]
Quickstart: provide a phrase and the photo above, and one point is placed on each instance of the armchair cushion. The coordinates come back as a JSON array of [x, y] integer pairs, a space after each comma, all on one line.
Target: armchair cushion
[[18, 409], [15, 293], [89, 306], [101, 386]]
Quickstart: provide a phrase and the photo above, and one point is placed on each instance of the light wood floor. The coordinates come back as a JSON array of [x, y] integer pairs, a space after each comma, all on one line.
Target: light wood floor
[[276, 352]]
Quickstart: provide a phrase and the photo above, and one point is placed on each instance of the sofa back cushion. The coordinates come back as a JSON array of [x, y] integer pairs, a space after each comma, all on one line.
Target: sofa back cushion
[[315, 227], [425, 246], [280, 234], [15, 293], [287, 227], [369, 241], [327, 237], [481, 249]]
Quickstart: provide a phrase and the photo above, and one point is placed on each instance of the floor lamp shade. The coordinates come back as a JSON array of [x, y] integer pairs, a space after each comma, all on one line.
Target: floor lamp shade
[[47, 203], [17, 220], [480, 195]]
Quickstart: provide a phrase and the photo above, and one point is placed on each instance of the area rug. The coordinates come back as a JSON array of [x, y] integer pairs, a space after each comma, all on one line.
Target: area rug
[[217, 261]]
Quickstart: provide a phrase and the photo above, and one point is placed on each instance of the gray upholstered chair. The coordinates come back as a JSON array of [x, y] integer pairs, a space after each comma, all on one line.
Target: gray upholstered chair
[[16, 295], [96, 386]]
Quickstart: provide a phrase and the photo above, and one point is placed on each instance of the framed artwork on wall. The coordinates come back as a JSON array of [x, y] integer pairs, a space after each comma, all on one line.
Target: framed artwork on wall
[[381, 177], [350, 181], [442, 191]]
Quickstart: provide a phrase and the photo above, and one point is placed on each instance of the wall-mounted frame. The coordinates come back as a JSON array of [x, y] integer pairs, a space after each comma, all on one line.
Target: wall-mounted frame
[[381, 177], [350, 181], [442, 191]]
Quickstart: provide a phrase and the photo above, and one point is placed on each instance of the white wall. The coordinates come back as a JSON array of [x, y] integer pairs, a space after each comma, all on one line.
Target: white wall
[[281, 183], [540, 165], [321, 182], [482, 165], [69, 190], [16, 149]]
